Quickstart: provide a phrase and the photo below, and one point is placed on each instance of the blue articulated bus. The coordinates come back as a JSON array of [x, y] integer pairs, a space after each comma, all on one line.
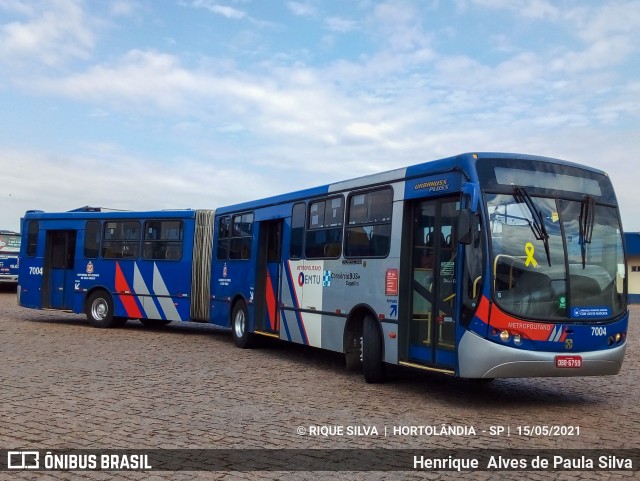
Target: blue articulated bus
[[9, 256], [115, 266], [482, 265]]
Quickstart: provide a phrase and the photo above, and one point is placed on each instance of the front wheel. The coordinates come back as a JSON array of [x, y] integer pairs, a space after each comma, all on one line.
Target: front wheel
[[99, 310], [240, 326], [372, 364]]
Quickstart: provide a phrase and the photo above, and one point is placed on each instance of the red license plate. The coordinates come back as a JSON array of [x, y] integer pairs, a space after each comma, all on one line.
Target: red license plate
[[568, 361]]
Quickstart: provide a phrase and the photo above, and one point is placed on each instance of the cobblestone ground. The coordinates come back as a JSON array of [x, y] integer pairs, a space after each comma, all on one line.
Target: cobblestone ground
[[67, 385]]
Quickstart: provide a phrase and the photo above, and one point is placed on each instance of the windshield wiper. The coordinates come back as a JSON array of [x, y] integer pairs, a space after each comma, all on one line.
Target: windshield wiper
[[537, 223], [587, 219]]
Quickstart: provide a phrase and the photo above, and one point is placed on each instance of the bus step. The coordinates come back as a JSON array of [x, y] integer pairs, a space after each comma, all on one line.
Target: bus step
[[268, 334], [427, 368]]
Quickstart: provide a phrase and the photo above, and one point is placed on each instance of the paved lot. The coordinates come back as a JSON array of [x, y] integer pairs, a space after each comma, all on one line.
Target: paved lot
[[67, 385]]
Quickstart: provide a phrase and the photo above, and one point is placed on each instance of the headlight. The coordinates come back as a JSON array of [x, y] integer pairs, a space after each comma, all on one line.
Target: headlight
[[504, 336]]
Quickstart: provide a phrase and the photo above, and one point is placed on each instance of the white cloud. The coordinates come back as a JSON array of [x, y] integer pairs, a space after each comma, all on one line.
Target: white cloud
[[281, 123], [606, 19], [124, 7], [51, 33], [532, 9], [23, 7], [104, 176], [340, 25], [138, 78], [599, 55], [224, 10], [398, 25], [302, 9]]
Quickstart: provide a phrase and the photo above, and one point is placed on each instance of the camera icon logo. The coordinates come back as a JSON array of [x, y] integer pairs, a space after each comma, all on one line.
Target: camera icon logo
[[23, 460]]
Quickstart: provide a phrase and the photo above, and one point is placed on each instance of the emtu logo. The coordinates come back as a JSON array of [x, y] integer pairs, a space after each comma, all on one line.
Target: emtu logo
[[309, 279]]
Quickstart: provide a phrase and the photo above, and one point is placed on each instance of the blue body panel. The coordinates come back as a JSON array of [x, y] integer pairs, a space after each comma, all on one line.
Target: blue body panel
[[147, 289]]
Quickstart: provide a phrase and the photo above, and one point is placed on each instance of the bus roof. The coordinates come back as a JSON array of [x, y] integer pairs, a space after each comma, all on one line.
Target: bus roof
[[79, 214], [463, 162]]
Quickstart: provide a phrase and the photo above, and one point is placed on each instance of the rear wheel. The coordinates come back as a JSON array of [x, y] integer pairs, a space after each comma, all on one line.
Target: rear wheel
[[372, 364], [99, 310], [240, 326]]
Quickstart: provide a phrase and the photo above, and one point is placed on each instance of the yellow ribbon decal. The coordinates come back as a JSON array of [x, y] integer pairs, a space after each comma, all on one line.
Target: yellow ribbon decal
[[530, 250]]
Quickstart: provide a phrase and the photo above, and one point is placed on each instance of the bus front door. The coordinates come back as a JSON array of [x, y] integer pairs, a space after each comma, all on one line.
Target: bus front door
[[59, 272], [269, 269], [430, 332]]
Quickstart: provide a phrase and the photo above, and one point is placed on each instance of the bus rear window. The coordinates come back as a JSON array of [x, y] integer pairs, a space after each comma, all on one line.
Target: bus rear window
[[32, 238]]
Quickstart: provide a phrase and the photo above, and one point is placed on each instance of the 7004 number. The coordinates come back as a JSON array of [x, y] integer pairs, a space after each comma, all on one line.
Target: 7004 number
[[35, 271], [598, 331]]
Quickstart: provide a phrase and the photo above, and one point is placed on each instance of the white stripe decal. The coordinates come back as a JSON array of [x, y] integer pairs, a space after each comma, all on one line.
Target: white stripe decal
[[140, 287], [555, 334], [166, 303]]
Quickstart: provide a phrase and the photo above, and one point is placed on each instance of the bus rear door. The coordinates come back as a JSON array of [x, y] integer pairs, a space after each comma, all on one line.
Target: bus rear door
[[269, 275], [59, 272]]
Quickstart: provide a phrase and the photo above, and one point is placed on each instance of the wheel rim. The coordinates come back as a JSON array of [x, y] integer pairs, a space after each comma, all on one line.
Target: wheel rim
[[238, 325], [99, 309]]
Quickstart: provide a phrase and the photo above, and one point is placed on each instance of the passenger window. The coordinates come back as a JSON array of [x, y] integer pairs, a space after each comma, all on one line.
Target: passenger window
[[121, 240], [368, 232], [223, 238], [162, 240], [92, 239], [235, 235], [324, 232], [297, 231]]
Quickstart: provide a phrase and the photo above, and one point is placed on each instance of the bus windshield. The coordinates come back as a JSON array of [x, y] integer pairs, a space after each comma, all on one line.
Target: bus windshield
[[556, 254]]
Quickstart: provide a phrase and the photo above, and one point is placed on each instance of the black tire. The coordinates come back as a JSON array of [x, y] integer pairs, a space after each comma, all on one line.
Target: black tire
[[242, 338], [99, 310], [154, 323], [372, 365]]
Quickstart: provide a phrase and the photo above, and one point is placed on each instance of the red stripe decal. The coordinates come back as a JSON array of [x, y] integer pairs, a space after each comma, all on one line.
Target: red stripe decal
[[483, 310], [272, 312], [129, 302], [536, 331]]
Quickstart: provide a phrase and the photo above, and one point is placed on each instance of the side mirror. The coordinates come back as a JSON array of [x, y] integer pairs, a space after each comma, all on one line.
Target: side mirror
[[465, 225]]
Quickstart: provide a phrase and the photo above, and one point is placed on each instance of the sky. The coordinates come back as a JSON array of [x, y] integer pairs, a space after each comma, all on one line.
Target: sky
[[163, 104]]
